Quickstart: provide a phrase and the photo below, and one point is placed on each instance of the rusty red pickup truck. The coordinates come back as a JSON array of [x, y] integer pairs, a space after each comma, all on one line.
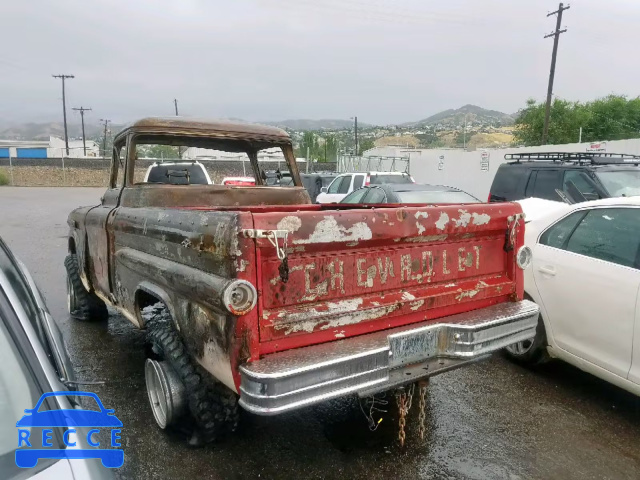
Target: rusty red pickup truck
[[253, 296]]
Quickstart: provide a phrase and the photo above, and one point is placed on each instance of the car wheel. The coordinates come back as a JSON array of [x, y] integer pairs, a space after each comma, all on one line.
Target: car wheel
[[532, 351], [82, 305], [177, 386]]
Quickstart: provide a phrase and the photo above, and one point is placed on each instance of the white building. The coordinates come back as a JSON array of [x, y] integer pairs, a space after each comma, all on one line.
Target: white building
[[52, 148], [76, 148]]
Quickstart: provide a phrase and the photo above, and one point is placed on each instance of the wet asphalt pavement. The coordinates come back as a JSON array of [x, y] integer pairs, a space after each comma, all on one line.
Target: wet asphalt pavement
[[491, 420]]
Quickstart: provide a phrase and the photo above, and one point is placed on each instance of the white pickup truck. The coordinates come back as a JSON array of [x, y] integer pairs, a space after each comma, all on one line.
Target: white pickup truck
[[346, 183]]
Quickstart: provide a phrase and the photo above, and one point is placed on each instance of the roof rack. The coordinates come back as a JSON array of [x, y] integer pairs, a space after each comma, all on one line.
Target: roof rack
[[596, 158]]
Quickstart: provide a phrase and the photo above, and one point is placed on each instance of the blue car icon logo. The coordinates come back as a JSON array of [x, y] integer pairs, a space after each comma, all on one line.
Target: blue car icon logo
[[71, 419]]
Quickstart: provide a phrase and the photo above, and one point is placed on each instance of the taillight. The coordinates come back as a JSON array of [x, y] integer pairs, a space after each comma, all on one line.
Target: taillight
[[367, 180], [489, 199]]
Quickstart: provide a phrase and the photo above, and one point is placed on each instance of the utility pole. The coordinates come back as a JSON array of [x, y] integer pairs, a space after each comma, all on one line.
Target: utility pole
[[175, 104], [356, 134], [104, 140], [84, 141], [64, 109], [552, 72], [464, 133]]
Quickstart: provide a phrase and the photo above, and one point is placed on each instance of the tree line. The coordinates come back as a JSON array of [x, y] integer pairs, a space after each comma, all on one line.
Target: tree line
[[614, 117], [327, 148]]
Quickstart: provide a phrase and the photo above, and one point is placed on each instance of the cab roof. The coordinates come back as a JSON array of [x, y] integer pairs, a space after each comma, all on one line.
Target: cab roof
[[211, 128]]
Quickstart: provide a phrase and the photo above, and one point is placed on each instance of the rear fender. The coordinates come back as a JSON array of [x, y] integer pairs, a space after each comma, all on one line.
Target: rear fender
[[155, 291]]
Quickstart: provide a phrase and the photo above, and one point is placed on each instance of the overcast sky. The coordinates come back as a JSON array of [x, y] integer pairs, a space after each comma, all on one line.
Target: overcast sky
[[385, 61]]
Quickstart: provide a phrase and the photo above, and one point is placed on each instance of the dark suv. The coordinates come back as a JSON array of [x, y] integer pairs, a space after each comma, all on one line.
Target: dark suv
[[563, 176]]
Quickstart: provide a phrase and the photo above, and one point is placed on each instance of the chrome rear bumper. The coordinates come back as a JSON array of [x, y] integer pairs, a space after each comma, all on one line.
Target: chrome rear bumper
[[382, 360]]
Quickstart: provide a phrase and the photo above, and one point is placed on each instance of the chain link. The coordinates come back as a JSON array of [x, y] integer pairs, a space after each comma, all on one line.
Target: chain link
[[422, 391], [404, 399], [401, 400]]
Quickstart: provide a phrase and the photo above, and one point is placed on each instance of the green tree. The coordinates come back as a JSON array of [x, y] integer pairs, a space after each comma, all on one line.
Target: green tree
[[365, 144], [158, 151], [331, 147], [609, 118], [312, 142]]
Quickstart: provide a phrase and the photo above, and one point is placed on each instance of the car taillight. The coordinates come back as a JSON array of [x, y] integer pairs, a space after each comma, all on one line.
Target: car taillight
[[367, 180], [489, 199]]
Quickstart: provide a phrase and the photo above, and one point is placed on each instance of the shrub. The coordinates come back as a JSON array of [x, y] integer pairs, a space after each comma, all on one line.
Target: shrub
[[4, 178]]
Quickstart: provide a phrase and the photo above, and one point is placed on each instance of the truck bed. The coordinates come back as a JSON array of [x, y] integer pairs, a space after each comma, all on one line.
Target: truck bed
[[358, 270]]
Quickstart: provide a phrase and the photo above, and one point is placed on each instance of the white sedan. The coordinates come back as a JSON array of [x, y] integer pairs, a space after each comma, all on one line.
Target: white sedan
[[585, 275]]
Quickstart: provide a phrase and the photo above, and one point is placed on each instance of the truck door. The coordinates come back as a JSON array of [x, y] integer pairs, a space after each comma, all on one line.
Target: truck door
[[97, 222]]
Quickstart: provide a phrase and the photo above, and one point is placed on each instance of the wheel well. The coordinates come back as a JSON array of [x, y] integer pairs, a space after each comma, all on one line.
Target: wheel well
[[72, 245], [145, 299]]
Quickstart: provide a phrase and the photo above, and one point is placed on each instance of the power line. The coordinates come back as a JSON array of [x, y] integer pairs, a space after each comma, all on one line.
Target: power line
[[64, 109], [552, 72], [84, 140]]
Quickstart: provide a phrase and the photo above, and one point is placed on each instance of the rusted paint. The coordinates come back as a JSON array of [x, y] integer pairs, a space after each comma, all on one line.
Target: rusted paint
[[352, 270], [328, 230], [326, 273]]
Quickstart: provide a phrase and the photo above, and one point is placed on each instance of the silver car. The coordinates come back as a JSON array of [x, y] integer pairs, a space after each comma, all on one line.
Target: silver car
[[33, 360]]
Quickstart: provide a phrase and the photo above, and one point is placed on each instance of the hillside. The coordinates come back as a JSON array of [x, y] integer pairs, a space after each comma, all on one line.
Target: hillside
[[473, 113], [323, 124], [42, 131]]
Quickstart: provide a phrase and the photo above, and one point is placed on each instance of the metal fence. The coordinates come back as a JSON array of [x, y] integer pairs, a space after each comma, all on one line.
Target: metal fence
[[352, 163]]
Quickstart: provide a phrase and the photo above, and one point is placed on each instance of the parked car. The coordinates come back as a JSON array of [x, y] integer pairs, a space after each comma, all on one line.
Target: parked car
[[239, 181], [566, 176], [346, 183], [409, 193], [178, 173], [585, 275], [34, 362], [255, 297]]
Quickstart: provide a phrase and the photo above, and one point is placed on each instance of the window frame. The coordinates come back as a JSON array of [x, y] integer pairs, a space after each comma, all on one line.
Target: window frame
[[350, 177], [559, 183], [339, 178], [585, 212], [366, 189], [371, 189]]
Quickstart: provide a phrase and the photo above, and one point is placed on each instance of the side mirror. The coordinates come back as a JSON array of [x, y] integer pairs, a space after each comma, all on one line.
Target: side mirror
[[324, 190]]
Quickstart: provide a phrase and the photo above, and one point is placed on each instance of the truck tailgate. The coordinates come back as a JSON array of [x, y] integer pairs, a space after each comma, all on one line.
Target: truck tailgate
[[354, 271]]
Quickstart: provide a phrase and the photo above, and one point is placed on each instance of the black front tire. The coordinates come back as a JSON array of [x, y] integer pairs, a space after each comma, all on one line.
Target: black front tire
[[212, 406], [82, 305]]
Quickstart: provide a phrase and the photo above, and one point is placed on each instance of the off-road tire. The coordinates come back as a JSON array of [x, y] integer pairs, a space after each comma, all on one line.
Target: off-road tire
[[89, 307], [213, 407], [537, 353]]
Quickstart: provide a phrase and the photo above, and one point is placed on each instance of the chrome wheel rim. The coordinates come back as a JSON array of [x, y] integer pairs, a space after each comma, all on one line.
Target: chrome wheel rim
[[520, 348], [72, 301], [166, 392]]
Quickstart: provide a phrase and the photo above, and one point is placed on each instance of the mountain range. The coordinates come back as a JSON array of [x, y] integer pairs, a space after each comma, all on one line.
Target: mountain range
[[472, 113], [451, 117]]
